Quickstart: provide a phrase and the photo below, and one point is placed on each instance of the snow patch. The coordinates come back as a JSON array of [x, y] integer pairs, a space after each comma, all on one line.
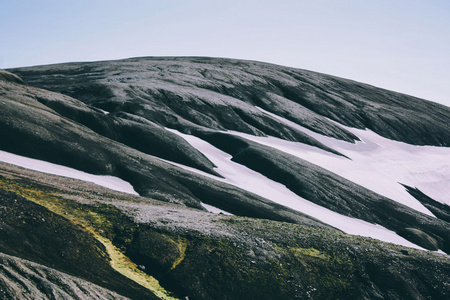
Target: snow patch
[[247, 179], [111, 182], [214, 209], [376, 163]]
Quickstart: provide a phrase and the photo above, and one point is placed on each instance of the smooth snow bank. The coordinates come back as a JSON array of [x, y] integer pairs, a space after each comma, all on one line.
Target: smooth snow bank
[[111, 182], [242, 177], [377, 163], [215, 210]]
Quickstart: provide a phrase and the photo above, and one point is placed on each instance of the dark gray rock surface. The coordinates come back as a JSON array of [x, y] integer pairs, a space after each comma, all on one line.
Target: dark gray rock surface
[[22, 279], [184, 93], [114, 126], [110, 118], [10, 77], [211, 256], [29, 128]]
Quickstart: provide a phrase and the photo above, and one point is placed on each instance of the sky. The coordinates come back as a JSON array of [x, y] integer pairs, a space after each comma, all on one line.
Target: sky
[[400, 45]]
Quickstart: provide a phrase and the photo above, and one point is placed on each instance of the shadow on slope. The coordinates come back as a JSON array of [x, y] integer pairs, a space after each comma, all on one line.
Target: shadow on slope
[[22, 279], [440, 210]]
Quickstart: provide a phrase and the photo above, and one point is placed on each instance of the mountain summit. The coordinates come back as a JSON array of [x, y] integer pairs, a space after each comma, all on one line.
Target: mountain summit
[[222, 179]]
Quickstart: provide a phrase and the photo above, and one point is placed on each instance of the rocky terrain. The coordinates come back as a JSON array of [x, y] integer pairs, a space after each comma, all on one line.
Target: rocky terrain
[[336, 189]]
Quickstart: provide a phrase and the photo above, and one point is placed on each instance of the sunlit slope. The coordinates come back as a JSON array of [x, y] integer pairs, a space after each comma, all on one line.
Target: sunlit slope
[[190, 92], [309, 166], [340, 147], [191, 252]]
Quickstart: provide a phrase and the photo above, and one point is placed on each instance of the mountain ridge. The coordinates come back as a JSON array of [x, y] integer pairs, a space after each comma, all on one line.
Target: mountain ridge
[[273, 142], [200, 66]]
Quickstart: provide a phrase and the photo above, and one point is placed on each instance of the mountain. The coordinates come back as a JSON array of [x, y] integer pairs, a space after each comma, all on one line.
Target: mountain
[[320, 187]]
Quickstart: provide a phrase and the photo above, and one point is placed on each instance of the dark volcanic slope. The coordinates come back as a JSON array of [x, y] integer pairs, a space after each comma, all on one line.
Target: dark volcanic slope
[[32, 232], [29, 128], [113, 115], [111, 118], [188, 93], [21, 279], [206, 256]]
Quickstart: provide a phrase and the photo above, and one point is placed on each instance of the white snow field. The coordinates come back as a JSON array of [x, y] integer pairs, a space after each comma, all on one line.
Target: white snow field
[[242, 177], [111, 182], [377, 163]]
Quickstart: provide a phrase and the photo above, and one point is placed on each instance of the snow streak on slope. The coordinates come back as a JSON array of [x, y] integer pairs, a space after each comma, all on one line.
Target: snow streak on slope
[[215, 210], [110, 182], [242, 177], [377, 163]]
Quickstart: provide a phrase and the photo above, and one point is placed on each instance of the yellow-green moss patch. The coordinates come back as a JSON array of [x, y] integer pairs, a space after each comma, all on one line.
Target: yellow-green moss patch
[[96, 223], [297, 251]]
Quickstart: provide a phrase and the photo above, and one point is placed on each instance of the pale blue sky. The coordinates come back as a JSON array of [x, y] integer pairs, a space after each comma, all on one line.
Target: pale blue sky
[[401, 45]]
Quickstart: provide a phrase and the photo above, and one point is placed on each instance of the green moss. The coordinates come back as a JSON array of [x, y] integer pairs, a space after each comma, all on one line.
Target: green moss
[[182, 246], [299, 252], [257, 259], [329, 274], [103, 222]]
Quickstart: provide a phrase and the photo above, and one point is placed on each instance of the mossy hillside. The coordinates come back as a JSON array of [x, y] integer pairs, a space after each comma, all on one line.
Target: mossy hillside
[[217, 268], [34, 220], [160, 252], [188, 264], [357, 266], [257, 259], [95, 223], [102, 219], [106, 224], [254, 258], [252, 266]]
